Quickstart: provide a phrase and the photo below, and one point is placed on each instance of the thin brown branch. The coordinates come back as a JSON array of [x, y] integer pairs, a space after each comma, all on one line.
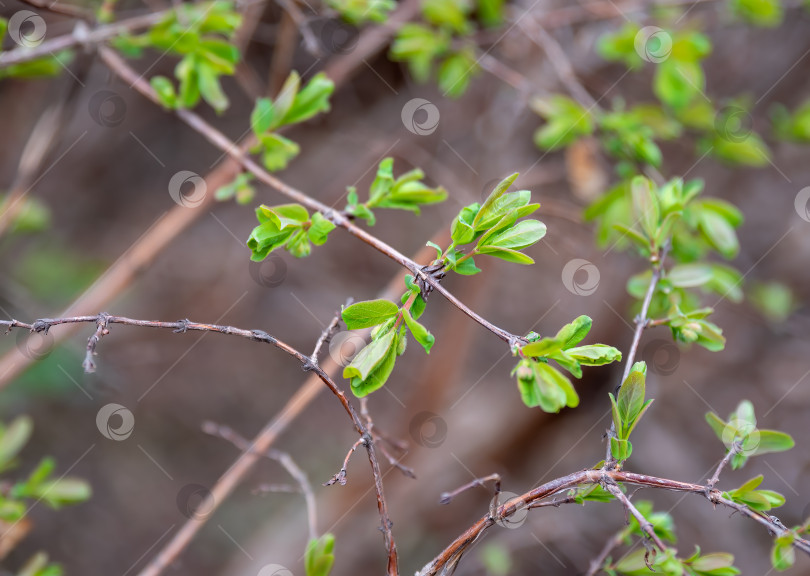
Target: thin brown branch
[[327, 334], [735, 448], [646, 525], [453, 552], [122, 69], [286, 461], [558, 59], [63, 9], [447, 497], [598, 561], [182, 326], [383, 439], [340, 477], [80, 36], [302, 23]]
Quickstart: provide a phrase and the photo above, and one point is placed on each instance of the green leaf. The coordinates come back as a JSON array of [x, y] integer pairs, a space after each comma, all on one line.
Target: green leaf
[[783, 556], [277, 151], [507, 254], [542, 347], [773, 441], [286, 96], [554, 377], [461, 230], [456, 72], [319, 229], [311, 100], [319, 556], [419, 332], [620, 448], [631, 398], [518, 237], [467, 268], [595, 354], [574, 332], [210, 88], [13, 438], [766, 13], [164, 89], [690, 275], [63, 492], [450, 14], [370, 357], [677, 82], [262, 117], [368, 313], [377, 378], [645, 204], [489, 203], [717, 424]]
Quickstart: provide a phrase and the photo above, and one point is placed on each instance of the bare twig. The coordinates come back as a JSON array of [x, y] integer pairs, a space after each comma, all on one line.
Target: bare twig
[[447, 497], [327, 334], [283, 458], [340, 477], [384, 439], [89, 364], [597, 562], [645, 524], [182, 326], [63, 9], [80, 36], [734, 449]]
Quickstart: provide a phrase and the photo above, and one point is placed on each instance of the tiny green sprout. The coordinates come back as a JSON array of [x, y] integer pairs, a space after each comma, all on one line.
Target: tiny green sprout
[[627, 410], [407, 192], [759, 500], [320, 555]]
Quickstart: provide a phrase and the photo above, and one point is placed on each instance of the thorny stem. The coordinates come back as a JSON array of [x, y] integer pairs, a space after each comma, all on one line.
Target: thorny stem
[[182, 326], [645, 524]]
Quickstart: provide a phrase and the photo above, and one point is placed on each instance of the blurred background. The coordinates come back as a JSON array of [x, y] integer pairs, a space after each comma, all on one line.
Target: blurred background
[[103, 189]]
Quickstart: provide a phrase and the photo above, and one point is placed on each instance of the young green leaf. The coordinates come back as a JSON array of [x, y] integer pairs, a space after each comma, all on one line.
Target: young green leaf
[[496, 193], [379, 375], [370, 357], [595, 354], [320, 556], [263, 116], [368, 313], [319, 229], [574, 332], [419, 332]]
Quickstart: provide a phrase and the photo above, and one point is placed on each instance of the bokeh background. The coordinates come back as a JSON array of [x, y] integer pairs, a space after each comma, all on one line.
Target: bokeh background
[[105, 184]]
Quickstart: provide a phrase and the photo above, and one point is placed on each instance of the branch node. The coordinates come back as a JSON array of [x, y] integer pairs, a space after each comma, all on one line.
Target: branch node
[[41, 325], [182, 326]]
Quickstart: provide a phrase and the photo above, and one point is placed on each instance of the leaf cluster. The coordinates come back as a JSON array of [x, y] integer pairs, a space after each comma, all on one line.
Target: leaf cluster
[[289, 226], [627, 410], [540, 383]]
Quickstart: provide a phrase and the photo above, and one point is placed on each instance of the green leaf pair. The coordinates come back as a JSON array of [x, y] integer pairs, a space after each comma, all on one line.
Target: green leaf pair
[[320, 555], [292, 105], [372, 366], [541, 384], [54, 492], [667, 563], [240, 189], [627, 410], [741, 431], [407, 192], [290, 226], [759, 500]]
